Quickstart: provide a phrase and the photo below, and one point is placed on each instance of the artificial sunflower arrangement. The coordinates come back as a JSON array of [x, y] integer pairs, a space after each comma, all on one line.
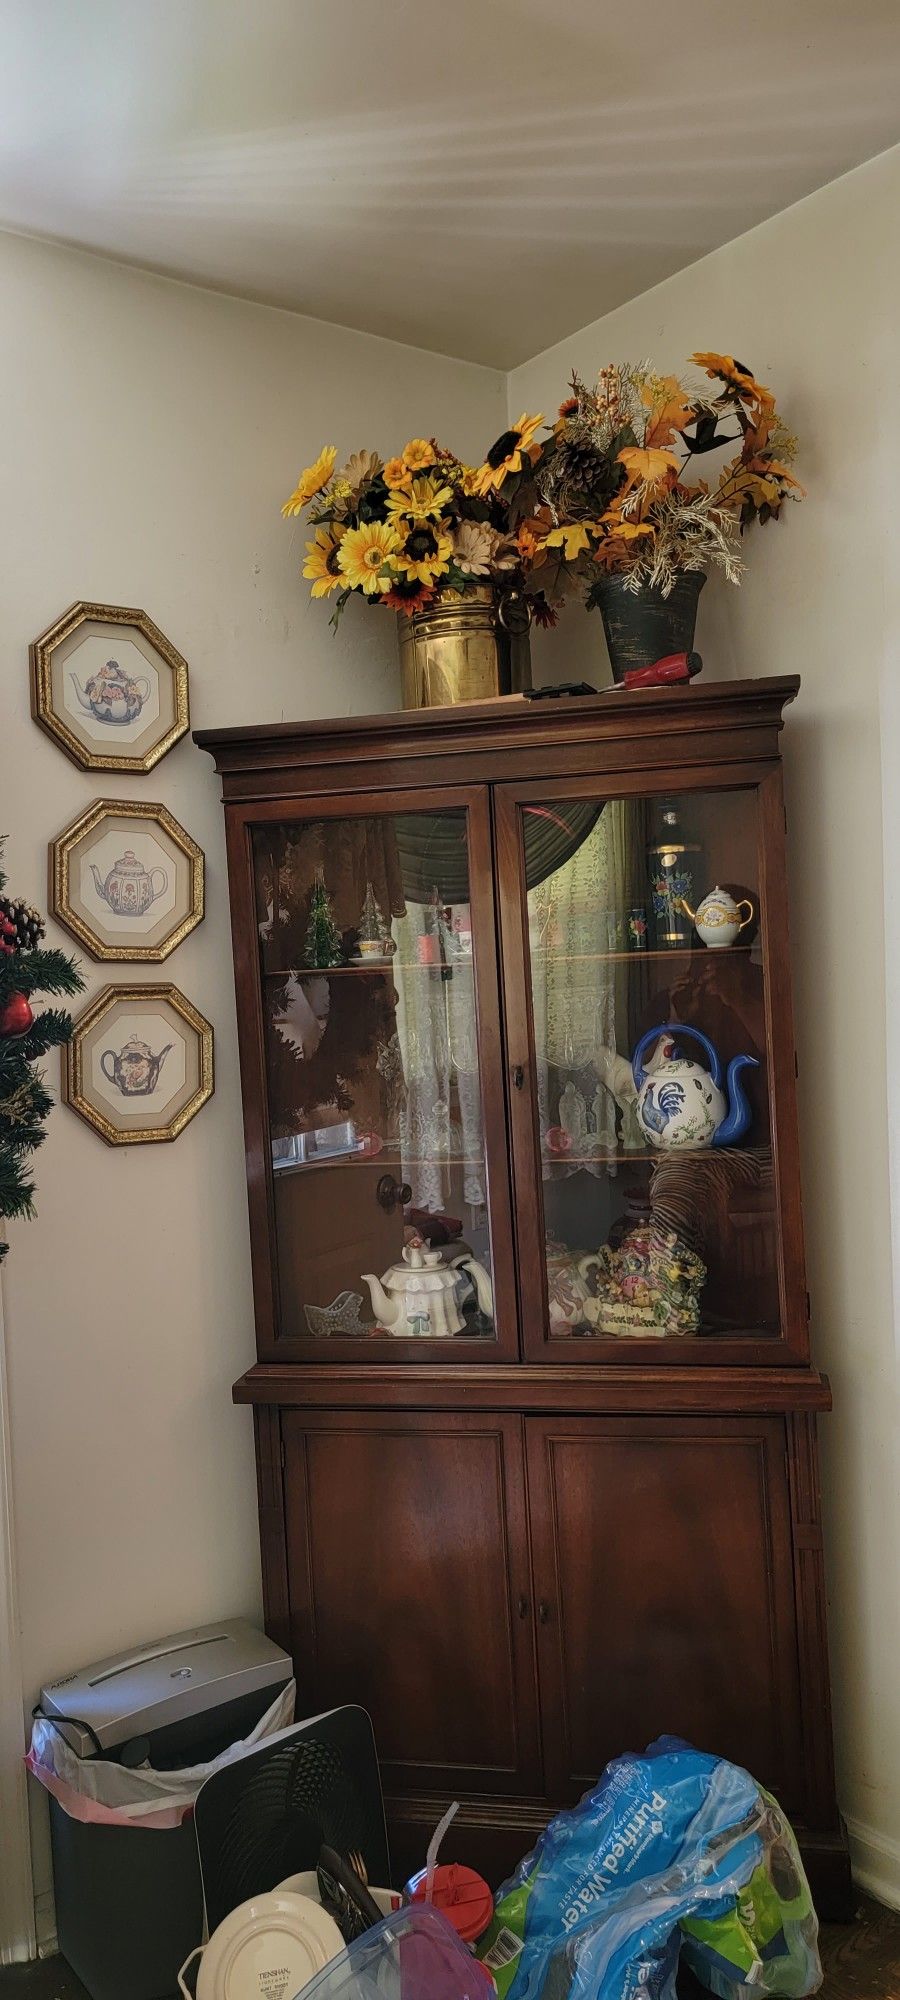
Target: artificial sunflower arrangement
[[609, 491], [400, 531]]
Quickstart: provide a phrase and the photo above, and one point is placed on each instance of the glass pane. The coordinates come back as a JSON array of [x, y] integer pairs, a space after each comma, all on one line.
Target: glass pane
[[659, 1201], [374, 1096]]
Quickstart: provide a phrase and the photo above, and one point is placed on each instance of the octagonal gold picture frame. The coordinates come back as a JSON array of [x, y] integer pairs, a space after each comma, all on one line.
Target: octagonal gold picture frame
[[116, 1101], [71, 904], [99, 724]]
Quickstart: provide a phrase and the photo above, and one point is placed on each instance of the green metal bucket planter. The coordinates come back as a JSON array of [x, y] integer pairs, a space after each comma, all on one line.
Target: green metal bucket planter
[[642, 626]]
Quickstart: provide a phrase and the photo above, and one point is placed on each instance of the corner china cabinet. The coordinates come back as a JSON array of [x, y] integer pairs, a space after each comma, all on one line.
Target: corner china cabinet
[[535, 1409]]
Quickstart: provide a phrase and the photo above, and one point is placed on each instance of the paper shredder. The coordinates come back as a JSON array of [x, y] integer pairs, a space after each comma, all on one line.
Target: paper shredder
[[129, 1901]]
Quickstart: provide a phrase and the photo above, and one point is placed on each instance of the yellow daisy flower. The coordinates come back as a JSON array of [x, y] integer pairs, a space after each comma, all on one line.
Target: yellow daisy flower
[[421, 500], [311, 481], [418, 454], [507, 455], [396, 473], [424, 553], [364, 555], [321, 563]]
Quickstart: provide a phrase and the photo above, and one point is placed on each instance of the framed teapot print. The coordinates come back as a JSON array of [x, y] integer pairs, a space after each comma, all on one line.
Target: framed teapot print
[[140, 1064], [127, 881], [110, 687]]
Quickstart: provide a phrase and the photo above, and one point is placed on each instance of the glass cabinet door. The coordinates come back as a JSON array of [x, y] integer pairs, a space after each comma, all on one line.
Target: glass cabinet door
[[645, 1165], [386, 1176]]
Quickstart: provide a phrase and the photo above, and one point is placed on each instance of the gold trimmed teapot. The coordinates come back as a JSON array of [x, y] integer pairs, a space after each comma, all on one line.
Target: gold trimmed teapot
[[717, 920]]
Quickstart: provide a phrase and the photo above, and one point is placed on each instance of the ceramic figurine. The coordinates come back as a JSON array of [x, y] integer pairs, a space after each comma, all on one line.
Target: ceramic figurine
[[679, 1103], [649, 1287], [567, 1287], [130, 888], [717, 920], [419, 1297]]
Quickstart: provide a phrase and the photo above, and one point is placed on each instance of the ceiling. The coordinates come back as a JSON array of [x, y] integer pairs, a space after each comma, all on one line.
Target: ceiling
[[480, 177]]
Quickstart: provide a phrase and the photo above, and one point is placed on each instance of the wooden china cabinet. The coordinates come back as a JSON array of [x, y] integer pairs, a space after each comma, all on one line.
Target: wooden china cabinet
[[576, 1503]]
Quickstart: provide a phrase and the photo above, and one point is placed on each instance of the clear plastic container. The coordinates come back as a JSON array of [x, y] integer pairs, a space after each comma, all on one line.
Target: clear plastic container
[[413, 1954]]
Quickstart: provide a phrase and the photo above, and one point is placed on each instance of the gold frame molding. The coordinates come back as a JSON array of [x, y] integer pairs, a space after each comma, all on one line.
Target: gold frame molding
[[60, 852], [73, 1078], [40, 655]]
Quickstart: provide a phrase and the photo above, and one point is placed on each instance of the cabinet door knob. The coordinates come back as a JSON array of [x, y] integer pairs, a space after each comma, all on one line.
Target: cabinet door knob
[[543, 1612], [522, 1605], [391, 1194], [518, 1076]]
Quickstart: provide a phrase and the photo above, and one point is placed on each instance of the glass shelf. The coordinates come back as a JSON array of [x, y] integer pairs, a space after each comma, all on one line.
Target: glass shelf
[[371, 1047], [640, 1240]]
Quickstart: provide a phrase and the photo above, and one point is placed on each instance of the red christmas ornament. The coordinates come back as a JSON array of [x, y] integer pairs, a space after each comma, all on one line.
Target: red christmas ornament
[[16, 1017]]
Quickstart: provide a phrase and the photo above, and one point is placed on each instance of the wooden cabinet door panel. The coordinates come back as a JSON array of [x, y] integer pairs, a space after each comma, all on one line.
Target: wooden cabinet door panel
[[663, 1577], [410, 1589]]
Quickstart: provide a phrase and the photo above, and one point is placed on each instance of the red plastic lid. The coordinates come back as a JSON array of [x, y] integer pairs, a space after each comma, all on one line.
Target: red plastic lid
[[461, 1895]]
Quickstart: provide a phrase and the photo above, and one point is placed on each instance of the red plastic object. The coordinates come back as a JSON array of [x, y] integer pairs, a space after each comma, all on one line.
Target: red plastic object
[[461, 1895], [673, 667]]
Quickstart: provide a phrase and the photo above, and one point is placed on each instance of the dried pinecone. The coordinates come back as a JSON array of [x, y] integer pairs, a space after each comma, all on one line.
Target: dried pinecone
[[577, 477], [27, 924]]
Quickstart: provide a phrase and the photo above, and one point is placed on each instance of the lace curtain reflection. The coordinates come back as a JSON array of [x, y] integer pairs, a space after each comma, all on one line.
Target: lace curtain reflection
[[440, 1120], [577, 917]]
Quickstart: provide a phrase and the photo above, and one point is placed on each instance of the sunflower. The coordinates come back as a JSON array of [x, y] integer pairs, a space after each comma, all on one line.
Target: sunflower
[[396, 473], [508, 453], [311, 481], [321, 562], [421, 500], [425, 552], [364, 555], [408, 597], [568, 408], [734, 374], [418, 454]]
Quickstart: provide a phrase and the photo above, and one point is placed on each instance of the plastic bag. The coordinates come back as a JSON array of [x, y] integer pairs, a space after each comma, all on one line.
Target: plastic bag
[[106, 1794], [670, 1838]]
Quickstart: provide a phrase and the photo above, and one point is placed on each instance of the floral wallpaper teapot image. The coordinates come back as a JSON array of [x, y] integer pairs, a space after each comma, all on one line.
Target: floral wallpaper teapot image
[[130, 888], [134, 1069], [112, 695], [681, 1103]]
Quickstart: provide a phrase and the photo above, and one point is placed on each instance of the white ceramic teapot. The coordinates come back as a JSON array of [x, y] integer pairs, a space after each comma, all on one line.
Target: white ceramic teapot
[[419, 1298], [679, 1103], [717, 920]]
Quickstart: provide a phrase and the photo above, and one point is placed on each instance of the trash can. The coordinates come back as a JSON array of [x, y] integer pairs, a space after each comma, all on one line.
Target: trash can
[[123, 1747]]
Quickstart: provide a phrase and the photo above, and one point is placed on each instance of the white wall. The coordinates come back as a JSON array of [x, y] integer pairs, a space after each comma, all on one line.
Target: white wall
[[150, 432], [811, 301]]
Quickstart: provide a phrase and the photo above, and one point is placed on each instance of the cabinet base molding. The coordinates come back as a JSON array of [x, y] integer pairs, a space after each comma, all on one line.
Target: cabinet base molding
[[493, 1834]]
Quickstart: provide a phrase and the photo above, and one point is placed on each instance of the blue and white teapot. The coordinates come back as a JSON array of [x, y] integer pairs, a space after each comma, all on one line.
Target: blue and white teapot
[[679, 1103]]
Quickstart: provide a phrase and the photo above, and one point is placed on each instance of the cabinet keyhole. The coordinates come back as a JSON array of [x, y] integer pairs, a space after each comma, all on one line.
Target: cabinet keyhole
[[518, 1076], [543, 1613]]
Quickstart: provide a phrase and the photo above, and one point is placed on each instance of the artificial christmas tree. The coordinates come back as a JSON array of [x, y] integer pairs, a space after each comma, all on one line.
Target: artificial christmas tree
[[323, 939], [25, 1101]]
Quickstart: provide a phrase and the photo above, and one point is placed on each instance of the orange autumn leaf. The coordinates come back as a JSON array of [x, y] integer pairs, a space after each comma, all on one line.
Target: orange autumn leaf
[[669, 410], [651, 466]]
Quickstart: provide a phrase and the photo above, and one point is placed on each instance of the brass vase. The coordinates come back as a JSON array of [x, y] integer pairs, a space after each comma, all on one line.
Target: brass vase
[[465, 648]]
